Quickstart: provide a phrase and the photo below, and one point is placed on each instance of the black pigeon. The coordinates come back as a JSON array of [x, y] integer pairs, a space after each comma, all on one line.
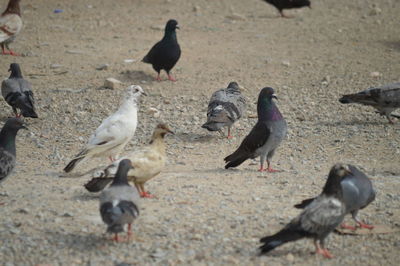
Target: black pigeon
[[18, 93], [266, 135], [385, 99], [288, 4], [358, 193], [7, 146], [226, 106], [119, 202], [165, 53], [318, 219]]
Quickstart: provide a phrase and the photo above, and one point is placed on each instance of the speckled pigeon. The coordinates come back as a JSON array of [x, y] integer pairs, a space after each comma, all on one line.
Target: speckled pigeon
[[226, 106], [358, 193], [266, 135], [318, 219], [385, 99]]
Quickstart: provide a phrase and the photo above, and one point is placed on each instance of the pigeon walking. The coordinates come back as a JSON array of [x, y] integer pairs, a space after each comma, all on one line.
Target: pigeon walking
[[7, 146], [17, 92], [266, 135], [165, 53], [10, 26], [318, 219], [114, 133], [147, 163], [226, 106], [385, 99], [119, 202], [358, 193], [288, 4]]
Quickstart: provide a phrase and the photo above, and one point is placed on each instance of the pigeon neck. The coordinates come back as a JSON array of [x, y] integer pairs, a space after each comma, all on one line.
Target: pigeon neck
[[13, 8], [130, 103], [16, 73], [121, 177], [267, 110], [157, 137], [7, 140], [332, 186], [170, 35]]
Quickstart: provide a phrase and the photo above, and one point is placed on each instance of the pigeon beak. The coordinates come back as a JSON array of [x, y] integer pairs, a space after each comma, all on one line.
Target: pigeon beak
[[274, 96], [170, 131], [177, 27], [9, 70], [145, 94], [309, 7], [24, 127]]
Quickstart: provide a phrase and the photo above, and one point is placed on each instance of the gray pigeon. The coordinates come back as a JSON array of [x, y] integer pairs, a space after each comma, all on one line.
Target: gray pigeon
[[7, 146], [318, 219], [18, 93], [385, 99], [226, 106], [358, 193], [119, 202], [266, 135]]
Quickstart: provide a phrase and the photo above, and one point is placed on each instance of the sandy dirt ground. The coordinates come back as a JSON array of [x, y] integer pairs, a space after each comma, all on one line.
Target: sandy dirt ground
[[203, 214]]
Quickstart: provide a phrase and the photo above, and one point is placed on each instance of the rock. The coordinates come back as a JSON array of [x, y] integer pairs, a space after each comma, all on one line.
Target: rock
[[55, 66], [157, 27], [112, 83], [103, 67], [375, 11], [153, 111], [236, 16], [129, 60], [23, 210], [286, 63], [290, 257], [326, 80], [74, 52], [375, 74]]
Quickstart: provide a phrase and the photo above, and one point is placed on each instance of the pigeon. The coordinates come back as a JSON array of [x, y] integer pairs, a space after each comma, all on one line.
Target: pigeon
[[17, 92], [147, 163], [226, 106], [114, 133], [288, 4], [119, 202], [7, 146], [10, 25], [266, 135], [165, 53], [318, 219], [385, 99], [358, 193]]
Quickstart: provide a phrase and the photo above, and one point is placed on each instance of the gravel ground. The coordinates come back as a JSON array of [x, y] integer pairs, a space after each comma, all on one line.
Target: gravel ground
[[204, 215]]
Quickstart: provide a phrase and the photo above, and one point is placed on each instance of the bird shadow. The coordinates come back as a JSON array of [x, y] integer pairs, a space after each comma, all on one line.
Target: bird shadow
[[395, 45], [135, 76], [352, 123], [84, 241], [88, 196], [190, 137]]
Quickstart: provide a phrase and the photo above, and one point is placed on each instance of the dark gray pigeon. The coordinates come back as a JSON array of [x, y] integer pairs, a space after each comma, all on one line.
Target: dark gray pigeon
[[166, 53], [358, 193], [18, 93], [119, 202], [266, 135], [226, 106], [7, 146], [385, 99], [288, 4], [318, 219]]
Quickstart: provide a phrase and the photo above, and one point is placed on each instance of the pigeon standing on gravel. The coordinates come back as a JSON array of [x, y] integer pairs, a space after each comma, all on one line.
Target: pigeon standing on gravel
[[7, 146], [165, 53], [226, 106], [119, 202], [10, 25], [385, 99], [266, 135], [18, 93], [318, 219], [114, 133], [288, 4], [358, 193], [147, 163]]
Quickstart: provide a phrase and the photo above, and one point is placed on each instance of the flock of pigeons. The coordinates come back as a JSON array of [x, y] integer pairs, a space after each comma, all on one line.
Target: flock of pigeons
[[347, 189]]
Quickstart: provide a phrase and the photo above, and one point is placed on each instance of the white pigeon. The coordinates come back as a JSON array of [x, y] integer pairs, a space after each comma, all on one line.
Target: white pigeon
[[114, 133], [10, 25]]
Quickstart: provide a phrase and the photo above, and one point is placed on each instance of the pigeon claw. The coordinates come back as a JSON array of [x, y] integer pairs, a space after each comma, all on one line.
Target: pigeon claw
[[146, 195], [324, 252], [363, 225], [349, 227], [158, 78], [271, 170], [171, 78]]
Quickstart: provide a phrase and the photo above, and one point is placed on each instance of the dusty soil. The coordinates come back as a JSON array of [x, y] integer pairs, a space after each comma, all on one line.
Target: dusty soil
[[204, 214]]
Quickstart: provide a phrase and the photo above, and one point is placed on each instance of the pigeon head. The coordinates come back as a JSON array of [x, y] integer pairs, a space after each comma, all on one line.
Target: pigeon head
[[171, 25], [234, 85], [15, 71], [337, 173], [13, 8], [14, 124], [121, 176], [134, 91], [162, 129], [267, 93]]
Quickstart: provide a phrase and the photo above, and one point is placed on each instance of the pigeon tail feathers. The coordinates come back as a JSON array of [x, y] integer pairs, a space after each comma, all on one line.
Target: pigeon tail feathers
[[280, 238]]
